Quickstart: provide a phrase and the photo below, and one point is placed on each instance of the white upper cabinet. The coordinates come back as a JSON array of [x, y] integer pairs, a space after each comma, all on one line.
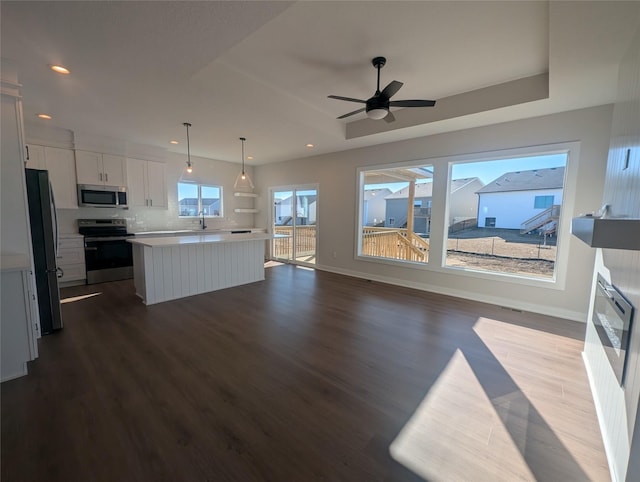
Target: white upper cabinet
[[114, 169], [35, 157], [147, 183], [62, 172], [100, 169]]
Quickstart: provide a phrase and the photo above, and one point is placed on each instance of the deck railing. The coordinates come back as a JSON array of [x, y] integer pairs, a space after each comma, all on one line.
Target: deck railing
[[540, 219], [391, 243], [394, 243], [305, 241]]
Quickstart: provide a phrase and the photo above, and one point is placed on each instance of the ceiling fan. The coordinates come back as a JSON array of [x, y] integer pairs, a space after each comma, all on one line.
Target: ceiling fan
[[377, 107]]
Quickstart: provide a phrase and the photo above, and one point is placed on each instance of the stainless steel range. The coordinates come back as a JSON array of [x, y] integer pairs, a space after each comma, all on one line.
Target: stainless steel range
[[107, 253]]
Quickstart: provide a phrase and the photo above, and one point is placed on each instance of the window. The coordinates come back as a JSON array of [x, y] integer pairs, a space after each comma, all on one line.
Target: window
[[395, 213], [504, 215], [543, 202], [197, 199]]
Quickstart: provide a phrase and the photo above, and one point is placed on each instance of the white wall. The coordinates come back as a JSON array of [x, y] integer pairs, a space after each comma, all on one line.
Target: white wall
[[617, 407], [336, 176], [14, 216], [513, 208]]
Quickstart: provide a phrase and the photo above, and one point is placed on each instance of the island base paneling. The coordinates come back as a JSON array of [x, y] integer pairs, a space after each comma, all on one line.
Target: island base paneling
[[170, 272]]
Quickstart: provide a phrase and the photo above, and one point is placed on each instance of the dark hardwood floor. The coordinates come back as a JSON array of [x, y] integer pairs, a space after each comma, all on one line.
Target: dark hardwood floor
[[305, 376]]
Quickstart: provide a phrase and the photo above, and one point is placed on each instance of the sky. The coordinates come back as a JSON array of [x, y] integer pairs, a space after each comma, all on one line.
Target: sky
[[488, 171]]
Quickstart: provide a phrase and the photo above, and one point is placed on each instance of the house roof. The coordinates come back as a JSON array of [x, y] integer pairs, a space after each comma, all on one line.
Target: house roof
[[265, 69], [425, 190], [533, 180], [190, 201]]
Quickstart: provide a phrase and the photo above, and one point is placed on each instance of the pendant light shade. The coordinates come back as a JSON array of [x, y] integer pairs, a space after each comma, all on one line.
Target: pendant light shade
[[189, 165], [243, 181]]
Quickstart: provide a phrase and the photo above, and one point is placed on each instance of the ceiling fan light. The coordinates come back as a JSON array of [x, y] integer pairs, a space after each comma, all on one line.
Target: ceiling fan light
[[377, 114]]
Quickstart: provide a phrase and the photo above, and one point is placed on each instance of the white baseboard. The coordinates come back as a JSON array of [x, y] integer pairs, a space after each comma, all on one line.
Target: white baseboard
[[494, 300]]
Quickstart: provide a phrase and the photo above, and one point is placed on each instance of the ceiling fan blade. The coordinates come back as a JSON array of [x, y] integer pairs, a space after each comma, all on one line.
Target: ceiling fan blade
[[352, 113], [391, 89], [348, 99], [412, 103], [389, 117]]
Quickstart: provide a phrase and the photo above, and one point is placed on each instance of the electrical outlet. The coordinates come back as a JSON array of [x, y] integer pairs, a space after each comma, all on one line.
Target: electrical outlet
[[335, 255]]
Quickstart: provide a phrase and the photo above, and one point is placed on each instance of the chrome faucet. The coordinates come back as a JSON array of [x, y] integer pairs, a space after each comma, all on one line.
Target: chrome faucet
[[204, 226]]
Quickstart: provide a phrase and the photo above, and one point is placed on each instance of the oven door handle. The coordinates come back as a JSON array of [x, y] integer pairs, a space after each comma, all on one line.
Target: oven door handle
[[88, 240], [607, 289]]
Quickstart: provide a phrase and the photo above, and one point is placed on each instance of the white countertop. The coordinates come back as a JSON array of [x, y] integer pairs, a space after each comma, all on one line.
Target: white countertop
[[192, 232], [162, 242], [154, 233]]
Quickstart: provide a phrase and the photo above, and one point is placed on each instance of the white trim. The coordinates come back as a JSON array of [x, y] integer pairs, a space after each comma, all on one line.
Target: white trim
[[293, 188], [608, 449], [468, 295], [557, 282]]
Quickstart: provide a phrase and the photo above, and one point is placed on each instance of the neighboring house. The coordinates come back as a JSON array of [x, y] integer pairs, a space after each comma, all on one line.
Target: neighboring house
[[374, 206], [463, 201], [189, 206], [305, 214], [462, 204], [516, 197]]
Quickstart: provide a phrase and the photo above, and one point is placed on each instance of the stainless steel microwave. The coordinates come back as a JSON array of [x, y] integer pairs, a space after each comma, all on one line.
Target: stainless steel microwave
[[102, 196]]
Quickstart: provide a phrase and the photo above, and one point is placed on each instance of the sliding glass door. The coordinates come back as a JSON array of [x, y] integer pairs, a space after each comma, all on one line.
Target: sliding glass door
[[294, 224]]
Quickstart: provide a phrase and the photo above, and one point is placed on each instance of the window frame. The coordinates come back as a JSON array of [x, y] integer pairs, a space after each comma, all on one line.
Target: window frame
[[360, 172], [546, 204], [441, 179], [199, 210]]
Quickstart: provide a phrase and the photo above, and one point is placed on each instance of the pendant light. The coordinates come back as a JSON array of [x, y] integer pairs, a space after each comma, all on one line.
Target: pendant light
[[189, 165], [243, 181]]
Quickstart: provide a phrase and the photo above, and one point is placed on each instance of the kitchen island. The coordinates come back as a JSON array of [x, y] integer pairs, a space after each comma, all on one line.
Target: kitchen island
[[168, 268]]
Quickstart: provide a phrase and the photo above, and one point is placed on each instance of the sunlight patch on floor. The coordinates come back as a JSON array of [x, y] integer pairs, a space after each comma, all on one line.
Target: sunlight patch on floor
[[305, 268], [272, 264], [73, 299], [472, 445], [544, 371]]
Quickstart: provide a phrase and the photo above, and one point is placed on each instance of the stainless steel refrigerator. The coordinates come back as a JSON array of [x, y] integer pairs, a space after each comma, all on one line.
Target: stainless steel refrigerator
[[44, 234]]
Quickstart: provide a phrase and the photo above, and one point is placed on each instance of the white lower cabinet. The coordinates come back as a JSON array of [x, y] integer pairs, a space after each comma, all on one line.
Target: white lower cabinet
[[19, 329], [71, 260], [147, 183]]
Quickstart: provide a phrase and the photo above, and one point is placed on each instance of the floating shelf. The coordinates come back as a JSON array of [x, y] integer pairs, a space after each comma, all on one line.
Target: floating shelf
[[246, 210], [244, 194]]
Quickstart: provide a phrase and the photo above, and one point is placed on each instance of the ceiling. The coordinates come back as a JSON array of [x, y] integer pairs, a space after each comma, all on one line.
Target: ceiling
[[263, 70]]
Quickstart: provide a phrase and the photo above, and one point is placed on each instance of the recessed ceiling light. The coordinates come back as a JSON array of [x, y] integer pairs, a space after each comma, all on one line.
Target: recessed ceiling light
[[45, 116], [309, 145], [60, 69], [173, 142], [249, 157]]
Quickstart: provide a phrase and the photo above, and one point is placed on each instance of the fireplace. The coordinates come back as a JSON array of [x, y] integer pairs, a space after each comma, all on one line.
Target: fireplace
[[612, 317]]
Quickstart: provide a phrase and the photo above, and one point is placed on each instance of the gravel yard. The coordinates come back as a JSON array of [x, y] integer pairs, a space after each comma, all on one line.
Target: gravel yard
[[502, 250]]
